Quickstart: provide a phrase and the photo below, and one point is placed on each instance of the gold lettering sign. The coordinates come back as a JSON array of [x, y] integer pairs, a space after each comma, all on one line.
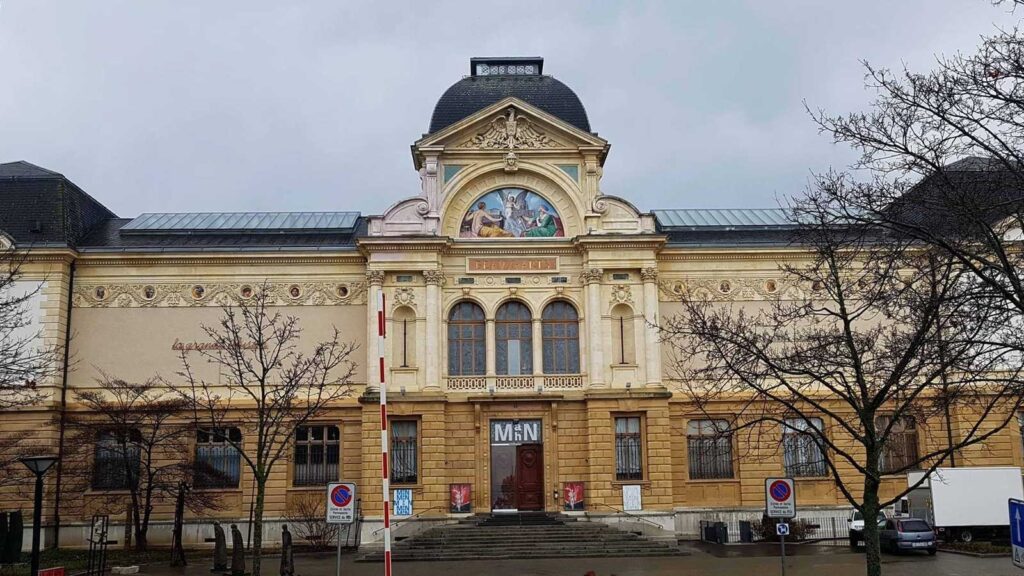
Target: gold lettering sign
[[512, 264]]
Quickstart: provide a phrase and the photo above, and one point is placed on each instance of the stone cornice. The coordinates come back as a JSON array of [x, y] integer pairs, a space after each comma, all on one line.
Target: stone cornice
[[619, 241], [371, 244], [732, 255]]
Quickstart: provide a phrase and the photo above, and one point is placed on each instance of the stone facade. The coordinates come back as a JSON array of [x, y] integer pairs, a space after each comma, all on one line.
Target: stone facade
[[612, 263]]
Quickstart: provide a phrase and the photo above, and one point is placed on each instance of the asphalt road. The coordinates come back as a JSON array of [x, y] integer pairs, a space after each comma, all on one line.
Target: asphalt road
[[827, 561]]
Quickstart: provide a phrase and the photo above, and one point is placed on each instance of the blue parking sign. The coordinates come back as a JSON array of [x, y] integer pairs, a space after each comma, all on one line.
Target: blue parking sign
[[1017, 531], [402, 502]]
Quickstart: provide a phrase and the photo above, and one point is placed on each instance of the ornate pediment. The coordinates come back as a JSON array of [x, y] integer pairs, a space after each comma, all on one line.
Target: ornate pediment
[[510, 131]]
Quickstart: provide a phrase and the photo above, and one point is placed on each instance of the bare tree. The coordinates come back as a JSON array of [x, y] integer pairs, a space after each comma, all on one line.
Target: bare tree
[[876, 344], [133, 439], [944, 151], [270, 383], [24, 359], [308, 517]]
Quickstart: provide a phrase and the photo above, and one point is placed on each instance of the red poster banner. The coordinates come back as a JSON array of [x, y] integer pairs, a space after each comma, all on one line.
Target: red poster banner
[[461, 497], [572, 496]]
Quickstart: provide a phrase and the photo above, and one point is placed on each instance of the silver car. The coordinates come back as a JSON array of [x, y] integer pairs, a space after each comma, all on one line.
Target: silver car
[[901, 534]]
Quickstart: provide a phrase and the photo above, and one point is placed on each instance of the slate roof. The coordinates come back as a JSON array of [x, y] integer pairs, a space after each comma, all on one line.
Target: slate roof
[[109, 237], [43, 208], [474, 93], [722, 218], [725, 227], [253, 222]]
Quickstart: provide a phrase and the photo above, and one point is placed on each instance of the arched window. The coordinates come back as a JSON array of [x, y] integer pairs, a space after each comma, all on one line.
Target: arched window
[[561, 332], [513, 339], [404, 338], [623, 341], [466, 348]]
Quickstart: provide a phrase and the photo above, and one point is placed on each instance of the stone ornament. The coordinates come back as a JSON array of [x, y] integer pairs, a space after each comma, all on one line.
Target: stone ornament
[[510, 132], [375, 277], [404, 297], [591, 276], [186, 295], [649, 274], [621, 294], [433, 277]]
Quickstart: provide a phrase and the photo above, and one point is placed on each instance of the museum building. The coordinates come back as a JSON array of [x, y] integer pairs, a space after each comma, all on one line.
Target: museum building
[[524, 370]]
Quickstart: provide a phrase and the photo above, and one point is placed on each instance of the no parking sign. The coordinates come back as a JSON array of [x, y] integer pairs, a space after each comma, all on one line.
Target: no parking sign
[[341, 503], [779, 498]]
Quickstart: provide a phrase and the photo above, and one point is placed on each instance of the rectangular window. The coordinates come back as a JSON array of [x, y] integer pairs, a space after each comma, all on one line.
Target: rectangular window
[[802, 455], [899, 453], [317, 454], [116, 460], [403, 452], [218, 463], [628, 448], [709, 448]]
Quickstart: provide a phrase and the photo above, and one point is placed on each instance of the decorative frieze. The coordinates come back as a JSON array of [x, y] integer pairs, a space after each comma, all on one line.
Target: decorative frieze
[[143, 295], [730, 289]]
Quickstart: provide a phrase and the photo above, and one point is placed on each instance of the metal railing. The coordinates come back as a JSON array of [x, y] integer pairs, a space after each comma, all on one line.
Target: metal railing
[[631, 515]]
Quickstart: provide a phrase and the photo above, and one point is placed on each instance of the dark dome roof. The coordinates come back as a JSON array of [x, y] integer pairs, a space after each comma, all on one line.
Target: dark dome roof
[[474, 93]]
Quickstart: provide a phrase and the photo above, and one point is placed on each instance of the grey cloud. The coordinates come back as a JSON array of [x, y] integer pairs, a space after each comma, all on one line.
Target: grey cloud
[[194, 105]]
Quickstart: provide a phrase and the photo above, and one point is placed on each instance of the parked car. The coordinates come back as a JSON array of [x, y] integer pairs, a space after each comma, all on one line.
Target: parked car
[[856, 522], [901, 534]]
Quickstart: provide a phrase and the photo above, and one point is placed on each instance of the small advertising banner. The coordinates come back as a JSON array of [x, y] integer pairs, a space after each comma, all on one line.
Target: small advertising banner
[[572, 496], [461, 498], [402, 502], [631, 498], [59, 571]]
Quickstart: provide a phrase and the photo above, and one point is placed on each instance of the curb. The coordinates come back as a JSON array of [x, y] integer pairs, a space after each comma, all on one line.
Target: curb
[[974, 554]]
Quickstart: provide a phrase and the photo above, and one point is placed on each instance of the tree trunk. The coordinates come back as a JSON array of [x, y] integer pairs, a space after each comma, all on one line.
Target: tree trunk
[[873, 558], [257, 527]]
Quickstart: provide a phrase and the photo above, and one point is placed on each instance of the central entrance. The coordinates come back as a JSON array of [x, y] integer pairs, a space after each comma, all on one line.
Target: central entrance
[[517, 466]]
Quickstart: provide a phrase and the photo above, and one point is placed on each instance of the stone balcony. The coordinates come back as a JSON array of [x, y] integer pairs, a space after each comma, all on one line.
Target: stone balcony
[[500, 384]]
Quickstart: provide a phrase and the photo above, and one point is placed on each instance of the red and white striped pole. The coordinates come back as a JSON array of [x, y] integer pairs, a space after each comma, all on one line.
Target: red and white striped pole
[[384, 476]]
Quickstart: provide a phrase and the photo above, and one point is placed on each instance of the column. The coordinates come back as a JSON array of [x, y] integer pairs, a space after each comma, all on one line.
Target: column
[[489, 347], [432, 363], [652, 346], [592, 280], [538, 346], [374, 282]]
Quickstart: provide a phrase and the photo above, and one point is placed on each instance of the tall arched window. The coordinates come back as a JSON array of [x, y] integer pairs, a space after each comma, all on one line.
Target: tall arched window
[[466, 348], [513, 339], [561, 332], [623, 340]]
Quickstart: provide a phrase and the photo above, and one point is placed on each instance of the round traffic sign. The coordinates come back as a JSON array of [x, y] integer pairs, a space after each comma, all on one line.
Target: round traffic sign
[[780, 491], [341, 496]]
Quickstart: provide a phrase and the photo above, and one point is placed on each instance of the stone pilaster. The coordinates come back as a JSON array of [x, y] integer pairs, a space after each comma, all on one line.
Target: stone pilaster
[[490, 341], [538, 346], [592, 282], [374, 281], [432, 365], [652, 344]]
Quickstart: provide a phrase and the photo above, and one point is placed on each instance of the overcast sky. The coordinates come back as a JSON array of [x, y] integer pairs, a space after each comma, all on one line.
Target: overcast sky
[[192, 105]]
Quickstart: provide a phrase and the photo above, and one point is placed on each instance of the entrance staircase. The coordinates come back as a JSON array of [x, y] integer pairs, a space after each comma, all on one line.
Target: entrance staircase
[[522, 535]]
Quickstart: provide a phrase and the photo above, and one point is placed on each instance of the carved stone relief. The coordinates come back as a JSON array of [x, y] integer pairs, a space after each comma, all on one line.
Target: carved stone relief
[[510, 132], [342, 292]]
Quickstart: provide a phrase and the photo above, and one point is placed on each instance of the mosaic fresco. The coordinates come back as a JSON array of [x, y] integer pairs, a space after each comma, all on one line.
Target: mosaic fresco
[[511, 213]]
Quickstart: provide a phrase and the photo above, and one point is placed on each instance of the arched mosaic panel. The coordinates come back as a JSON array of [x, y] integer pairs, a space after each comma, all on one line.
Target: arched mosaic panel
[[511, 213]]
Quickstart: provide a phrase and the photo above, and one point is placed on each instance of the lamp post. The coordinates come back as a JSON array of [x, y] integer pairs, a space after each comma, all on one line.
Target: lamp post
[[38, 465]]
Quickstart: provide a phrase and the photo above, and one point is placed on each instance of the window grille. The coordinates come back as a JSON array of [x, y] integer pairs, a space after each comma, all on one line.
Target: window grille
[[403, 452], [218, 463], [317, 454], [116, 460], [628, 449], [802, 455], [709, 449]]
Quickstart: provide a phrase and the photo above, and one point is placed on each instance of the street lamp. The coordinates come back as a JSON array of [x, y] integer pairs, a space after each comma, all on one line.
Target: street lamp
[[38, 465]]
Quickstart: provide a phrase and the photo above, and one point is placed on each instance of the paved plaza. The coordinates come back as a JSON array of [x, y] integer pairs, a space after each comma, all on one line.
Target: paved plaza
[[830, 562]]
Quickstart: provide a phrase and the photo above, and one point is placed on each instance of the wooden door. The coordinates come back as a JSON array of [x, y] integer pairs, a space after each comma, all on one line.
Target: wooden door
[[530, 477]]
